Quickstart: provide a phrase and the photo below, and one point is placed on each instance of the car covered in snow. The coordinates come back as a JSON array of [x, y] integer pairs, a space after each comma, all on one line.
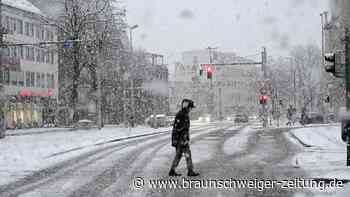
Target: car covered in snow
[[314, 118], [84, 124], [241, 118]]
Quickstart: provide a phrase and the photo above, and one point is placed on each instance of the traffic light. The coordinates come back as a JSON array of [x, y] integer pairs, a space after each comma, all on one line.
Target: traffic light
[[327, 100], [263, 99], [200, 72], [330, 60], [334, 63], [209, 71], [281, 102]]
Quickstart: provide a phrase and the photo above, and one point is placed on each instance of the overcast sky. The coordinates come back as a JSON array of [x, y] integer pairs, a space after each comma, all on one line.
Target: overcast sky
[[241, 26]]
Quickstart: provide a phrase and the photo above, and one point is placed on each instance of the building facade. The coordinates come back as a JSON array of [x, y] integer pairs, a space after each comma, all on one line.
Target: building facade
[[28, 73], [231, 89]]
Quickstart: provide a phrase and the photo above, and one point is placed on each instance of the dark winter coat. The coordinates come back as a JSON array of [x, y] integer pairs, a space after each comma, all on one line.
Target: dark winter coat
[[180, 133]]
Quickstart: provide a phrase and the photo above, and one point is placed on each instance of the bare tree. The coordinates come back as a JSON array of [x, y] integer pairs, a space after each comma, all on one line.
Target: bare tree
[[90, 26]]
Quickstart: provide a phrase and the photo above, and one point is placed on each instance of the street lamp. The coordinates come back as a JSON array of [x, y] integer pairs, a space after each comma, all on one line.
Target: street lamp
[[132, 80]]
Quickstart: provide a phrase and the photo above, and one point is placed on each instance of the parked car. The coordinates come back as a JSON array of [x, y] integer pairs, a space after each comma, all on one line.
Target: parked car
[[159, 120], [205, 118], [170, 120], [314, 118], [84, 124], [241, 118]]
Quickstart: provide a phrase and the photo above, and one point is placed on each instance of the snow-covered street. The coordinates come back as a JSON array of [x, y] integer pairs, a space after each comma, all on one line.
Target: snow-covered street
[[89, 163]]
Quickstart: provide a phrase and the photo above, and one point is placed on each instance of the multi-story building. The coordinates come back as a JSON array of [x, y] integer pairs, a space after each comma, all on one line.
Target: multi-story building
[[28, 73], [152, 87], [231, 89]]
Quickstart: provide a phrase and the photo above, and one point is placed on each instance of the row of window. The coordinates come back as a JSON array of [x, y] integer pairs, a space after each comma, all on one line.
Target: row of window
[[31, 54], [18, 26], [27, 79]]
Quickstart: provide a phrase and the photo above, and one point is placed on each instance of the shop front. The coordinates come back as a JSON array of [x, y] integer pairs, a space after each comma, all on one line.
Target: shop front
[[30, 110]]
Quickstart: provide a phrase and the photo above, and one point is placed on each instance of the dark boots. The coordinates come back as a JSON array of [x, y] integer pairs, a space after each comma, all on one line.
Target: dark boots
[[173, 173], [192, 173]]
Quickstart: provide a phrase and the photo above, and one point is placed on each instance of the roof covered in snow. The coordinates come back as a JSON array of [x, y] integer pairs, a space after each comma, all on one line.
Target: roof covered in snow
[[23, 5]]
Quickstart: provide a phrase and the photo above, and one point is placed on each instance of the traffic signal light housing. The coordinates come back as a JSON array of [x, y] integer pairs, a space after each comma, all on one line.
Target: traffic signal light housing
[[209, 71], [327, 100], [330, 60], [333, 63], [263, 99]]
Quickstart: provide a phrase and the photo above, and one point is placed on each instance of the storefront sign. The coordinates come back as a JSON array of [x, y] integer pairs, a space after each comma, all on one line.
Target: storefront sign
[[29, 93]]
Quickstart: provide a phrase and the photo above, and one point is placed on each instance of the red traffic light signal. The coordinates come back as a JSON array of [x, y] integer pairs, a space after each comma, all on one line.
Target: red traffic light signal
[[209, 71], [263, 99]]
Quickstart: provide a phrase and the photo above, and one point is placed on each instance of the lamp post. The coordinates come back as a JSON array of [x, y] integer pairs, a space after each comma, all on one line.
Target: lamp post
[[132, 79]]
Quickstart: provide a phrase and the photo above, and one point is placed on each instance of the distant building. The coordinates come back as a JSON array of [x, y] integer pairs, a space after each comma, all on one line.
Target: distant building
[[233, 87], [28, 73], [154, 87]]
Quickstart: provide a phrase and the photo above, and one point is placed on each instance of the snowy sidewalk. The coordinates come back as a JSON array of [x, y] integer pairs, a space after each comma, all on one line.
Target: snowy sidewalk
[[324, 153], [23, 154], [17, 132]]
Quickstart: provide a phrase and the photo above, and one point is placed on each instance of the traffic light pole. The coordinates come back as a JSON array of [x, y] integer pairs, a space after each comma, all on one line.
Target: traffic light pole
[[347, 84], [210, 49], [263, 66]]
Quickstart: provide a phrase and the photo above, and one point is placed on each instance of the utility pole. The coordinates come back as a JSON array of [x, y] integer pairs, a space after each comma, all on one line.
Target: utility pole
[[211, 104], [347, 84], [2, 113], [99, 86], [132, 79], [263, 66], [2, 32], [322, 27]]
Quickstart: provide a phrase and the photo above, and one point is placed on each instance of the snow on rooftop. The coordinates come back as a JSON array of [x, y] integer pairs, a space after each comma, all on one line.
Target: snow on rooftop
[[23, 5]]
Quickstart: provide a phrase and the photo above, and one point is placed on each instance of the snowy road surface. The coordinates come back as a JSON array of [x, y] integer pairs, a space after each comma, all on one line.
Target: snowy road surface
[[221, 152]]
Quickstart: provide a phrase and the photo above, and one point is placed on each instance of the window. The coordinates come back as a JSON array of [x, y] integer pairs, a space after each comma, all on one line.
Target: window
[[19, 26], [51, 36], [43, 80], [14, 25], [53, 81], [42, 56], [47, 57], [6, 77], [7, 23], [38, 32], [27, 79], [26, 28], [7, 51], [13, 78], [47, 35], [31, 29], [20, 79], [42, 33], [1, 77], [15, 51], [20, 51], [11, 51], [38, 80], [32, 79], [32, 56], [37, 53], [27, 52], [48, 80], [52, 57]]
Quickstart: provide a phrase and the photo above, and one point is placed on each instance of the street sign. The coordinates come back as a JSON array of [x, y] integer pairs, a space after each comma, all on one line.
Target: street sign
[[67, 44]]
